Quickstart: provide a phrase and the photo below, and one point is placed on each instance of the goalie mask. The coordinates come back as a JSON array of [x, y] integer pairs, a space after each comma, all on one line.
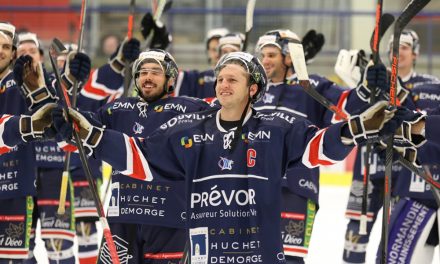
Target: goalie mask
[[164, 60], [251, 65]]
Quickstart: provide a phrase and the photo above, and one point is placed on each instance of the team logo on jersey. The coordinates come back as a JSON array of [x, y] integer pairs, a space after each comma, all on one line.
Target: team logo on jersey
[[199, 245], [186, 142], [138, 128], [158, 108], [227, 140], [225, 164], [268, 98], [15, 231]]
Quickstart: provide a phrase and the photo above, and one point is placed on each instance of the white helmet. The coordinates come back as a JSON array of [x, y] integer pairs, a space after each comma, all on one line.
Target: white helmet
[[408, 37], [278, 38]]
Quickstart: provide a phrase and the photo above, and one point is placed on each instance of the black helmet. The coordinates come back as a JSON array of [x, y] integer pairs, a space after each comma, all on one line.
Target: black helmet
[[253, 67]]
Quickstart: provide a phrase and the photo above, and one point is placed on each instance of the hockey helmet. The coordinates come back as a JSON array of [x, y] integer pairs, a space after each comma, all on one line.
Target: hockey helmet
[[233, 40], [161, 57], [215, 33], [251, 64], [279, 38], [9, 29], [408, 37]]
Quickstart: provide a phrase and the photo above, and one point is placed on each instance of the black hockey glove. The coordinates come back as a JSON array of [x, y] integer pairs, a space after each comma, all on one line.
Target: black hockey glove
[[128, 50], [32, 82], [76, 68], [147, 24], [161, 38], [406, 136], [312, 44]]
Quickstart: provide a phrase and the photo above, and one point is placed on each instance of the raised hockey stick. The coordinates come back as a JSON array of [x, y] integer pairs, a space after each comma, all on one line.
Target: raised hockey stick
[[299, 63], [379, 29], [65, 176], [250, 7], [407, 14], [127, 74], [56, 47]]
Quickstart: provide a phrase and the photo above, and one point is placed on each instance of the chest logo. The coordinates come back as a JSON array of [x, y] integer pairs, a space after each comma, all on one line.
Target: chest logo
[[138, 128], [225, 164]]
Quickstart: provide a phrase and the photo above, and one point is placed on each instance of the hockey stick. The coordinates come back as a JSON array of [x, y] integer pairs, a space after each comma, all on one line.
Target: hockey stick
[[299, 63], [250, 7], [407, 14], [374, 43], [65, 176], [58, 46], [127, 74]]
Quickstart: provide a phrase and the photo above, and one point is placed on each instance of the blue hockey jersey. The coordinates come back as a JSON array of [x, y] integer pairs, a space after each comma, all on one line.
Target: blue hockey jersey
[[196, 84], [426, 96], [291, 98], [104, 85], [233, 197], [135, 201], [17, 164]]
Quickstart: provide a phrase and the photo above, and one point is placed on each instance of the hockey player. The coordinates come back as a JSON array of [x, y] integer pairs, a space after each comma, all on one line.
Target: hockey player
[[17, 168], [103, 86], [227, 176], [284, 94], [147, 219], [57, 231], [356, 244], [212, 41], [200, 84]]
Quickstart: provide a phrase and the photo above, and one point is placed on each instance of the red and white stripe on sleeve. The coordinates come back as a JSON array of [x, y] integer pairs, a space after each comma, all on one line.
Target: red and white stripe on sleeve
[[342, 102], [3, 147], [137, 166], [314, 153], [98, 91], [67, 147]]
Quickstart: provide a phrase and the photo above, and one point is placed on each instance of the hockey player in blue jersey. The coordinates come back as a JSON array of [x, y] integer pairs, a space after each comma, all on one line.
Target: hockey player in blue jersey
[[284, 94], [104, 85], [224, 158], [57, 231], [17, 170], [148, 225], [407, 93], [201, 85]]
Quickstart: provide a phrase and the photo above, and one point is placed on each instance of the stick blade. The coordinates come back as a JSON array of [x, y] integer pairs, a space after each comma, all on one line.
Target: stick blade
[[410, 11], [386, 21], [58, 45], [298, 59], [250, 14]]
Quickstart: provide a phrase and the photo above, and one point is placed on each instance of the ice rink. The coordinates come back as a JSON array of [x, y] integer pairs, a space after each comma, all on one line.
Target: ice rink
[[328, 233]]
